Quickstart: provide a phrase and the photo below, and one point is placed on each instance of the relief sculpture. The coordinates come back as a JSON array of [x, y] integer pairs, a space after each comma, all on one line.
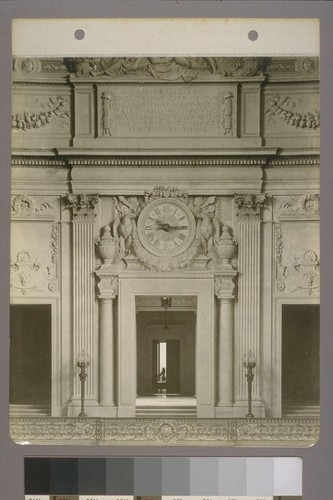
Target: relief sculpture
[[287, 110], [164, 68]]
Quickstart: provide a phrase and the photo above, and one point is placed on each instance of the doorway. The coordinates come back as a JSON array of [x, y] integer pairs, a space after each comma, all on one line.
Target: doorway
[[300, 357], [166, 357]]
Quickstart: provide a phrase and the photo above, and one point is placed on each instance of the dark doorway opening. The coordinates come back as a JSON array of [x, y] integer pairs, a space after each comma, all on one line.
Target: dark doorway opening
[[30, 355], [172, 349], [300, 355]]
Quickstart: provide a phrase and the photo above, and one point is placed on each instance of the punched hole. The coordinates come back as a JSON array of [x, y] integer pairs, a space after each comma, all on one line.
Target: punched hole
[[79, 34], [253, 35]]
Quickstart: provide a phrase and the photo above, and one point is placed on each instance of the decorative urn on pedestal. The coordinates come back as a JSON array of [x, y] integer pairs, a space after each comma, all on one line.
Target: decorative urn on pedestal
[[107, 246], [225, 246]]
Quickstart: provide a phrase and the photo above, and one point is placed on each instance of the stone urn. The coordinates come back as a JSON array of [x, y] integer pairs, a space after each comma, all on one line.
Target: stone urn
[[225, 246], [107, 246]]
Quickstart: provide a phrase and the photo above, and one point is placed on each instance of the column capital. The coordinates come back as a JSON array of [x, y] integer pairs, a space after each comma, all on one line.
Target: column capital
[[225, 284], [107, 286], [249, 205], [83, 206]]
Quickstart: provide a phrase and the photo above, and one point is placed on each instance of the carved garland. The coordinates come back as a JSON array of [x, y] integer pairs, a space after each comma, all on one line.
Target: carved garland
[[56, 108], [284, 108]]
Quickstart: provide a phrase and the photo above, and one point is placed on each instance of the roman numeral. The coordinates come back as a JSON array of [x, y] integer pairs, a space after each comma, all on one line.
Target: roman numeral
[[181, 236]]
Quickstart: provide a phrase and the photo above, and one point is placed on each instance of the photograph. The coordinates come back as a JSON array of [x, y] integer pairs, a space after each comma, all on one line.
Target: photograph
[[165, 264]]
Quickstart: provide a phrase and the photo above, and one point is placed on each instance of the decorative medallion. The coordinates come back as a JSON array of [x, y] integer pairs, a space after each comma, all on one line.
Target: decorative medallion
[[27, 65]]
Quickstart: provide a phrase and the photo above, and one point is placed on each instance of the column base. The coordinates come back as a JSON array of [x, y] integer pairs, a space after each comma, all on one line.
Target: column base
[[224, 410], [108, 411], [91, 408], [240, 409]]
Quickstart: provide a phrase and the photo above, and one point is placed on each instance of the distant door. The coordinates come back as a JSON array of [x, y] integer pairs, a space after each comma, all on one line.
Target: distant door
[[30, 355], [300, 355], [173, 367]]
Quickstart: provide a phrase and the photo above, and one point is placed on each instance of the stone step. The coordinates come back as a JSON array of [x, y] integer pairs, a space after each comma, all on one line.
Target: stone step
[[166, 412], [301, 411]]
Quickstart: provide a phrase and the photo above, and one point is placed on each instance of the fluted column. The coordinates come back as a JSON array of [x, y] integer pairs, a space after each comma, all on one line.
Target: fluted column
[[224, 290], [249, 214], [84, 331], [108, 290]]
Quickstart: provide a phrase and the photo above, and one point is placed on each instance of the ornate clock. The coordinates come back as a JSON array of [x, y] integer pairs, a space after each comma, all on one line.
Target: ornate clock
[[166, 227]]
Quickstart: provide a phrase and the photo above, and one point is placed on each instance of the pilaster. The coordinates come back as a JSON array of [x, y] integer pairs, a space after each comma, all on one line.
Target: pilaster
[[249, 213], [84, 332]]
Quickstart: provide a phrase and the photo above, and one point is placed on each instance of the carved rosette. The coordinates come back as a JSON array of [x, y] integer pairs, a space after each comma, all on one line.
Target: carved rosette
[[23, 206], [27, 65], [83, 206], [249, 205]]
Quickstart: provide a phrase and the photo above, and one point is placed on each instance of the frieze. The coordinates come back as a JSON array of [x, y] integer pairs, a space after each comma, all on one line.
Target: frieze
[[286, 110], [169, 69], [249, 205], [24, 206], [303, 205], [119, 431], [83, 206], [54, 109]]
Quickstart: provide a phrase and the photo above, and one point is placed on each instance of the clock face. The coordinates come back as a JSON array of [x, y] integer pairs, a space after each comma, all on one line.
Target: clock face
[[166, 227]]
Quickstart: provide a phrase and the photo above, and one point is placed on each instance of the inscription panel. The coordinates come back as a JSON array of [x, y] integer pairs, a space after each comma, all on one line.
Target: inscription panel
[[164, 111]]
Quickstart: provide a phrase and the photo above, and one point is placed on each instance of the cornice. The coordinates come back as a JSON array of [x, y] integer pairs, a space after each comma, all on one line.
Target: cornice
[[141, 161], [165, 69]]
